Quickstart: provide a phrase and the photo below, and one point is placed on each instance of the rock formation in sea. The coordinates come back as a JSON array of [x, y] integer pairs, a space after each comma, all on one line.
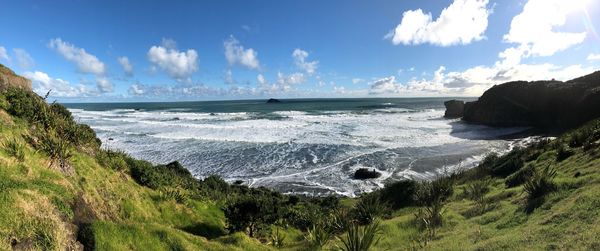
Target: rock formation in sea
[[544, 104], [454, 108], [272, 100]]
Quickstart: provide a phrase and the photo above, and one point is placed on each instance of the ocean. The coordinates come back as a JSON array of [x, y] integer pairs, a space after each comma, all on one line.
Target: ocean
[[309, 146]]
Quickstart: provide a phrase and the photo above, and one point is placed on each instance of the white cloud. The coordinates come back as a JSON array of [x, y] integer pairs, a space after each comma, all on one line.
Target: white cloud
[[42, 83], [261, 79], [357, 80], [24, 60], [300, 60], [127, 67], [136, 90], [533, 30], [474, 81], [236, 54], [104, 85], [86, 63], [463, 22], [593, 57], [4, 55], [177, 64], [228, 77]]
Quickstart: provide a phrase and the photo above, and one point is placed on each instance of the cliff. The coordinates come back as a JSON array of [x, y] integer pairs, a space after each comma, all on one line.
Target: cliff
[[8, 78], [542, 104]]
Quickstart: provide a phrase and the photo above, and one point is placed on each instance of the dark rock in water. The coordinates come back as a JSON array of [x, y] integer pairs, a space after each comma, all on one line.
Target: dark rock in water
[[212, 114], [110, 139], [553, 105], [238, 182], [365, 173], [454, 108], [176, 118], [272, 100]]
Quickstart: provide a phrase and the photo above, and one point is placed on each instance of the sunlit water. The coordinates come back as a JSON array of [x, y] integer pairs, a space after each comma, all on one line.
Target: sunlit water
[[298, 146]]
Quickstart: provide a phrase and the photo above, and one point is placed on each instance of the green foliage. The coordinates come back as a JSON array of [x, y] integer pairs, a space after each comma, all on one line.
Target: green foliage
[[57, 148], [399, 194], [112, 159], [368, 208], [359, 238], [318, 236], [538, 185], [277, 238], [562, 152], [15, 148], [519, 177], [508, 164], [176, 194], [250, 214], [432, 196]]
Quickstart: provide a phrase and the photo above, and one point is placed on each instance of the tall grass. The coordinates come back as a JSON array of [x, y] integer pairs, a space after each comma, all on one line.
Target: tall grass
[[15, 148], [359, 238]]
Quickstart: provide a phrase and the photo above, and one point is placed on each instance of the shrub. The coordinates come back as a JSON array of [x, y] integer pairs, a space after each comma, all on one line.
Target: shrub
[[562, 152], [476, 191], [112, 159], [399, 194], [368, 208], [537, 186], [57, 149], [432, 196], [540, 183], [508, 164], [318, 236], [15, 148], [519, 177], [359, 238], [251, 213], [176, 194]]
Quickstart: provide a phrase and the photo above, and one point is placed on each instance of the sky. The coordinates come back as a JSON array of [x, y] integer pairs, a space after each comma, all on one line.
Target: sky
[[119, 51]]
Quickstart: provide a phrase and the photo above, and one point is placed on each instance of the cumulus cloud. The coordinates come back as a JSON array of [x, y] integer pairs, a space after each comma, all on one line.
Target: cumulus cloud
[[593, 57], [42, 83], [104, 85], [300, 60], [228, 77], [136, 90], [473, 81], [24, 60], [463, 22], [127, 67], [357, 80], [85, 62], [533, 30], [177, 64], [4, 55], [236, 54]]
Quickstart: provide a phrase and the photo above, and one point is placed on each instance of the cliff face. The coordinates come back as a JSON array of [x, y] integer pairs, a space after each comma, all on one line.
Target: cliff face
[[544, 104], [8, 78]]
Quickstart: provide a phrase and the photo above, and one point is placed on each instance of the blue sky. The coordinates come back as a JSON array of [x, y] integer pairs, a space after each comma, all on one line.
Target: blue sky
[[184, 50]]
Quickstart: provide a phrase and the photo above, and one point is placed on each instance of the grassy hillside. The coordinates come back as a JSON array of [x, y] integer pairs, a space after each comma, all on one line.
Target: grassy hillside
[[59, 189]]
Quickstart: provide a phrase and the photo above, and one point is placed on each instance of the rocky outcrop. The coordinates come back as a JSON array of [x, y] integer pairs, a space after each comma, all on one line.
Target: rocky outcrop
[[272, 100], [454, 108], [8, 78], [542, 104], [365, 173]]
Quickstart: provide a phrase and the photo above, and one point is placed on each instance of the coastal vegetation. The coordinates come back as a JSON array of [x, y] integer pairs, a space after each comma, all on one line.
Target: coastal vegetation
[[60, 189]]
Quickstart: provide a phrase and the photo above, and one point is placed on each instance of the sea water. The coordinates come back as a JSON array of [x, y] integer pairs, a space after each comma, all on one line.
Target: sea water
[[310, 146]]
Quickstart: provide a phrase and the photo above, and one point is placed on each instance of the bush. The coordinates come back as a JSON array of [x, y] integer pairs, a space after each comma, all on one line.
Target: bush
[[318, 236], [368, 208], [359, 238], [112, 159], [432, 196], [562, 152], [509, 163], [399, 194], [519, 177], [250, 214], [537, 186], [176, 194], [15, 148], [57, 149]]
